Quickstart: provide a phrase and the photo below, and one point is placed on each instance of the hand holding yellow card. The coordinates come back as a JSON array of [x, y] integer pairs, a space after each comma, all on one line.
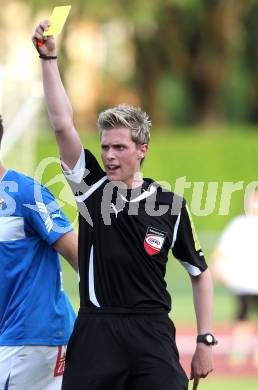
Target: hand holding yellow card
[[57, 20]]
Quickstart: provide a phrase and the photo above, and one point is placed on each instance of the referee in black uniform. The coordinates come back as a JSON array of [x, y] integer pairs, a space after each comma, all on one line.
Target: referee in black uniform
[[123, 338]]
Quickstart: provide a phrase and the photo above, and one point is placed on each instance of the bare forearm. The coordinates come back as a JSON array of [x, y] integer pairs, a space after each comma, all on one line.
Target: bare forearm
[[202, 361], [58, 104], [67, 246], [60, 114], [203, 301]]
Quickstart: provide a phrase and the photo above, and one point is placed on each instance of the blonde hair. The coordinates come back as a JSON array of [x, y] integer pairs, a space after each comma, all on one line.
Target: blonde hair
[[130, 117]]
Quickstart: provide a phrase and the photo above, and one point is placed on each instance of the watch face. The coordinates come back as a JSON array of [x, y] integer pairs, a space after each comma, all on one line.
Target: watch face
[[207, 339]]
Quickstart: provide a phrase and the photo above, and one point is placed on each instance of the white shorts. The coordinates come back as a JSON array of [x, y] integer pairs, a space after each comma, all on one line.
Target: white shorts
[[31, 367]]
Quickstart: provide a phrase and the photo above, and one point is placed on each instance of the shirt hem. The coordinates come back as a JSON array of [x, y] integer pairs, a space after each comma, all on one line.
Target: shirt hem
[[15, 343]]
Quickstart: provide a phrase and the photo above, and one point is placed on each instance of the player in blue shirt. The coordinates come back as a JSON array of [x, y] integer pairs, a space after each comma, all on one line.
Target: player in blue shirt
[[36, 317]]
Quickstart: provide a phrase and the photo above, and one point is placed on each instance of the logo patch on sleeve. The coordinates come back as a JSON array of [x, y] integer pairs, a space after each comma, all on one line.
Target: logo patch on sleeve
[[154, 241]]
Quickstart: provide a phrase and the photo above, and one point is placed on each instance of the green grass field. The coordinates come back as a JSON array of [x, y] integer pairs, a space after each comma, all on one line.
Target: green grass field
[[227, 384]]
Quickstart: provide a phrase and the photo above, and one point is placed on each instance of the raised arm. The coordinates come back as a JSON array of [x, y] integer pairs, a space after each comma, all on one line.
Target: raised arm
[[58, 104]]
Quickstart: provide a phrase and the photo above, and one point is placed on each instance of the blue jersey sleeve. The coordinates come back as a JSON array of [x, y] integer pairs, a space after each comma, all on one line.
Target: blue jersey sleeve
[[43, 214]]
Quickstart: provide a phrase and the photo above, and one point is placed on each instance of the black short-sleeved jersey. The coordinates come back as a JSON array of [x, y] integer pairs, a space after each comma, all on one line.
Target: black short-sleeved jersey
[[124, 240]]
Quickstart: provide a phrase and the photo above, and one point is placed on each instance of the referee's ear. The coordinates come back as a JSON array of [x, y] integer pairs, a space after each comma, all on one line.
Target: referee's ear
[[142, 151]]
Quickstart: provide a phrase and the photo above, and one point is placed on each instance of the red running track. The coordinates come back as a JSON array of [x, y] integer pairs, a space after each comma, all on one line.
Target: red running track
[[222, 365]]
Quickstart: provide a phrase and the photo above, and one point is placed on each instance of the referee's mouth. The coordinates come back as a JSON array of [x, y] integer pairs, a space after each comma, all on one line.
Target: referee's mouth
[[112, 168]]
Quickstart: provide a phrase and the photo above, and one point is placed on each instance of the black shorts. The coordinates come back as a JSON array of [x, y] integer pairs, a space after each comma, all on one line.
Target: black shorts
[[123, 352], [247, 304]]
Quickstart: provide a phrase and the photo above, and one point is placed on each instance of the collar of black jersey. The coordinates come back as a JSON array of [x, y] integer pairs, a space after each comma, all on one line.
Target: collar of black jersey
[[148, 185]]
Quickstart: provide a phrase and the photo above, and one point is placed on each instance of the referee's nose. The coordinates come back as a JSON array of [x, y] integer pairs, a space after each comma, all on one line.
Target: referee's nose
[[109, 154]]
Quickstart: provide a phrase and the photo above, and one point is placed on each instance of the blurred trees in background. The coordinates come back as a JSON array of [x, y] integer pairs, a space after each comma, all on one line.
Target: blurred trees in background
[[184, 61]]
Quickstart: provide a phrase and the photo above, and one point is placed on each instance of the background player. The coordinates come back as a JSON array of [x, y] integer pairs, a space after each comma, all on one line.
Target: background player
[[124, 338], [36, 318], [235, 263]]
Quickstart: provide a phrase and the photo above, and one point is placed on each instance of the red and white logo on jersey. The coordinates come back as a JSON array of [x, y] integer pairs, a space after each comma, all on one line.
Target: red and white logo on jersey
[[60, 361], [154, 241]]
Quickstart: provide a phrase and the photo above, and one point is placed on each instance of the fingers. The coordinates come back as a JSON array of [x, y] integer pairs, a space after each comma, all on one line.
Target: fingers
[[38, 37], [198, 375], [196, 378], [196, 383], [44, 24]]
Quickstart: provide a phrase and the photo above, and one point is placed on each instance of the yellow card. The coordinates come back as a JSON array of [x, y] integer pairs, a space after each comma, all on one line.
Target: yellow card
[[57, 20]]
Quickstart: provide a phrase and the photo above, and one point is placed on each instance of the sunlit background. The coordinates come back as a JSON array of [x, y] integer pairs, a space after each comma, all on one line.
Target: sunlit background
[[191, 64], [185, 61]]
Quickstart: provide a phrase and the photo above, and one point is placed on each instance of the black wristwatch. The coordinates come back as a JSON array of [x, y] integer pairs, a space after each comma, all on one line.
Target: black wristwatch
[[207, 339]]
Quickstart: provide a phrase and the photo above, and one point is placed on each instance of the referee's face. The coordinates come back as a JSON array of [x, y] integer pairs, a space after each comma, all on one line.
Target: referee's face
[[121, 156]]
